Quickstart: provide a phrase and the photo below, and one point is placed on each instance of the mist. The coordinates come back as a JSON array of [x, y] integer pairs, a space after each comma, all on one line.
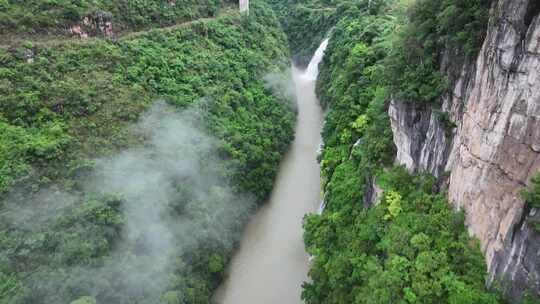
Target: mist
[[281, 84], [174, 195]]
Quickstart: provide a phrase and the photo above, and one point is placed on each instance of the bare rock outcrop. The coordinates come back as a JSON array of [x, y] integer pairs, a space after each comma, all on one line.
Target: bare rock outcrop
[[97, 24], [495, 148]]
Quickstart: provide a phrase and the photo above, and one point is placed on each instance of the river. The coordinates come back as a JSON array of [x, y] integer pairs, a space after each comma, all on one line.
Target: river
[[271, 263]]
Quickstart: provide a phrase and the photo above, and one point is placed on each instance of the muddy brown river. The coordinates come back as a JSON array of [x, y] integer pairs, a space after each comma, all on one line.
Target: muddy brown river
[[271, 263]]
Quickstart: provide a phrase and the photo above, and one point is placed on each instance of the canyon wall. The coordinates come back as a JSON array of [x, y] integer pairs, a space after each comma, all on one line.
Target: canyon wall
[[484, 141]]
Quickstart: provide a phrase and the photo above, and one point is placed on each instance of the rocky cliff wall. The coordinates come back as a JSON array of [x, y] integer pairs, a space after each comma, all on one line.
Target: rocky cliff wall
[[492, 147]]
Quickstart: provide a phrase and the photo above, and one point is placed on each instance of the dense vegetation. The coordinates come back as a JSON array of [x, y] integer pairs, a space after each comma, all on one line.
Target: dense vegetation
[[306, 23], [410, 247], [66, 104], [433, 29], [55, 17], [532, 195]]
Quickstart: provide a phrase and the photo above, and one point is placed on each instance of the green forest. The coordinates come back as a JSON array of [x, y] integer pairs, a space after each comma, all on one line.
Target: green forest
[[55, 16], [67, 108]]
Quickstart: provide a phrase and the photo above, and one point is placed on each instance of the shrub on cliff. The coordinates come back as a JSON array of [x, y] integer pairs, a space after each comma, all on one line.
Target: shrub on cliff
[[431, 27], [531, 196]]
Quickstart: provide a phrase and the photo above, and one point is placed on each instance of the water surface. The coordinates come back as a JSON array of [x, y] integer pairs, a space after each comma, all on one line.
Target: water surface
[[271, 263]]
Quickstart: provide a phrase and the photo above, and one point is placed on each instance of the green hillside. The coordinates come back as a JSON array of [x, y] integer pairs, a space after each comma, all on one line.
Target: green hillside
[[66, 104], [38, 17]]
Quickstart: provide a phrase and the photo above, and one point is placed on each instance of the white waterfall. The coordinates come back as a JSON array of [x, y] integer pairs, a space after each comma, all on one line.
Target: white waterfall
[[312, 70], [322, 206], [311, 73]]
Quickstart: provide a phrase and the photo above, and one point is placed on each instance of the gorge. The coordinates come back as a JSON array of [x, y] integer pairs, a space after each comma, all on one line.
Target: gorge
[[168, 152], [272, 244]]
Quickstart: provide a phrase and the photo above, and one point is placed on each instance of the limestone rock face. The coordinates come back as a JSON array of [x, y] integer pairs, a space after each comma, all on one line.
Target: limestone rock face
[[421, 141], [373, 194], [495, 148]]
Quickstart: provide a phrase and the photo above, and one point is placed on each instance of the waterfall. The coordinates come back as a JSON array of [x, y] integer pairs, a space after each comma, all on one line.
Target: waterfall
[[311, 74], [322, 206], [312, 70]]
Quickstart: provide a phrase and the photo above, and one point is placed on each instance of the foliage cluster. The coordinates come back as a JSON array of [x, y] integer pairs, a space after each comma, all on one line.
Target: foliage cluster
[[75, 99], [352, 87], [410, 248], [532, 195], [42, 17], [431, 30], [74, 102]]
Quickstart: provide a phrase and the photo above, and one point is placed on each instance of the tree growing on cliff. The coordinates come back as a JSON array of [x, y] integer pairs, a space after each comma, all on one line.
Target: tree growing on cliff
[[531, 196], [431, 27]]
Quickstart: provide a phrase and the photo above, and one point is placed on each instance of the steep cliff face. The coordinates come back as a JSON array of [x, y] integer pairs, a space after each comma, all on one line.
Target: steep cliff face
[[484, 143]]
